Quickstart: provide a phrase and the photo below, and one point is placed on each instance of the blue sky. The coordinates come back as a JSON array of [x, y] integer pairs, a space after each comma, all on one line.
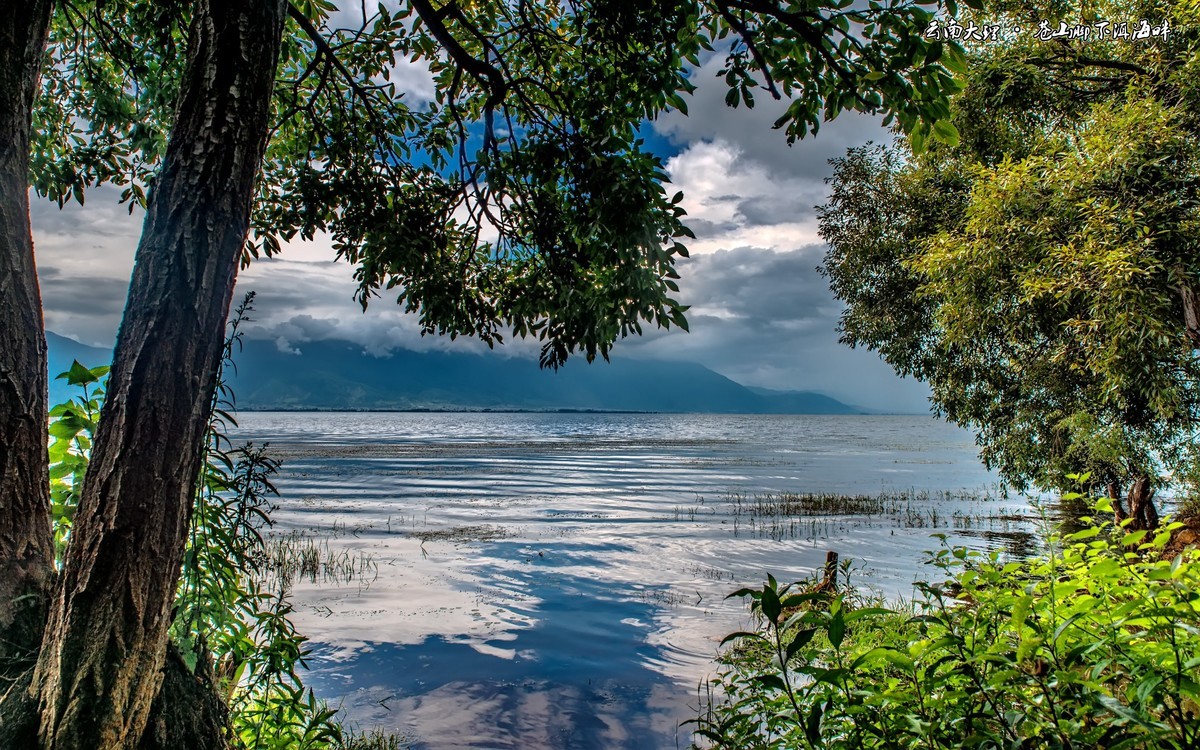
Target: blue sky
[[761, 314]]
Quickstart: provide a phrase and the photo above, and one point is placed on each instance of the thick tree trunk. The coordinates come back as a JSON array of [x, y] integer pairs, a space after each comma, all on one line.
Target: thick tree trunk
[[102, 657], [1141, 505], [26, 545], [1141, 513]]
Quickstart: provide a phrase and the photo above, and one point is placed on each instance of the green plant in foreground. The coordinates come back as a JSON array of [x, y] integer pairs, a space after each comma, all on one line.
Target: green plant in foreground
[[228, 620], [1094, 644], [72, 425]]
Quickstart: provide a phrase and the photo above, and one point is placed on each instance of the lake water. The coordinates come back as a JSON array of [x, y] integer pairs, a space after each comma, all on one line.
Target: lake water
[[558, 580]]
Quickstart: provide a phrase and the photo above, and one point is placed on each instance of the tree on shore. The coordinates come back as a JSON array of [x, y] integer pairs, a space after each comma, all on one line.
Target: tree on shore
[[240, 124], [1042, 275]]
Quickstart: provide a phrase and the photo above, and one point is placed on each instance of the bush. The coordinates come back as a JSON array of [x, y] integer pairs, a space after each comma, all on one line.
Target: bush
[[1094, 644], [229, 623]]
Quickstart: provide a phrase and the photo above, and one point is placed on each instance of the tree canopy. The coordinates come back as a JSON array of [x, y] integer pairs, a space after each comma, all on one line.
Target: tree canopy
[[1041, 275], [522, 197]]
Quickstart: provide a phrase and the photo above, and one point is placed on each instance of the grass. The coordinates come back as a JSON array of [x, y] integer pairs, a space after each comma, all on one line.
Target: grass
[[916, 507], [376, 739], [789, 515], [299, 557], [461, 534], [815, 515]]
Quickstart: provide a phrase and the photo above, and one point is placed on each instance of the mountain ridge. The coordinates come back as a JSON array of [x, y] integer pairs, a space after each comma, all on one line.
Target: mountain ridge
[[336, 375]]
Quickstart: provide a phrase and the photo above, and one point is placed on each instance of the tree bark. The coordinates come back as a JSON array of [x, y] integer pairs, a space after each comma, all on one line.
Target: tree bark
[[101, 660], [1142, 515], [1191, 312], [1141, 505], [1114, 494], [26, 544]]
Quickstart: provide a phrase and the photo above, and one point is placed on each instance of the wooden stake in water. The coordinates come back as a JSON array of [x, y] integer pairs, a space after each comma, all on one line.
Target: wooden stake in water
[[831, 569]]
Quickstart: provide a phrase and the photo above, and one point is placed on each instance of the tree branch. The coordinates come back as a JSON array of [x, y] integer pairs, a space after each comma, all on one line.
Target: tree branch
[[323, 48], [485, 73], [748, 40]]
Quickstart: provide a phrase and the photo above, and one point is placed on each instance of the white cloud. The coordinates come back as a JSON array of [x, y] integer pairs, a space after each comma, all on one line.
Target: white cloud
[[733, 201]]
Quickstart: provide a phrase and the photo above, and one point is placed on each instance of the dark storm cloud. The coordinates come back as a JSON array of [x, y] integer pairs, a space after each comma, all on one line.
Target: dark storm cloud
[[767, 318], [74, 295], [100, 222], [781, 207], [301, 301], [282, 284], [84, 257], [761, 287], [313, 329], [704, 227], [750, 130]]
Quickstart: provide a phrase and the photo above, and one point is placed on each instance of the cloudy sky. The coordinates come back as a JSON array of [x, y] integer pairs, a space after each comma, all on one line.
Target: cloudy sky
[[761, 314]]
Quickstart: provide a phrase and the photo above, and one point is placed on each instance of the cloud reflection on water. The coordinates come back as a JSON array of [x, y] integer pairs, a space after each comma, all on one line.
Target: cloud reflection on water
[[589, 608]]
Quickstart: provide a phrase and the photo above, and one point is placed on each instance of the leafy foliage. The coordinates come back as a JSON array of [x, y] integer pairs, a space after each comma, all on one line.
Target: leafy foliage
[[71, 428], [1041, 275], [228, 620], [1094, 644], [521, 198]]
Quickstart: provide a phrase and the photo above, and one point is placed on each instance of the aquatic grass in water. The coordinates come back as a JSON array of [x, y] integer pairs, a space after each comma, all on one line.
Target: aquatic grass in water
[[912, 505], [462, 534], [816, 515], [297, 556]]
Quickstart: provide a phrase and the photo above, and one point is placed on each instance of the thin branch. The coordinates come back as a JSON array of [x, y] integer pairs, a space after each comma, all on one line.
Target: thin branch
[[323, 48], [748, 40]]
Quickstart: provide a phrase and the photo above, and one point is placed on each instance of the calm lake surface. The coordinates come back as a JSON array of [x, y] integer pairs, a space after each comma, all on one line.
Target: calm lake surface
[[558, 580]]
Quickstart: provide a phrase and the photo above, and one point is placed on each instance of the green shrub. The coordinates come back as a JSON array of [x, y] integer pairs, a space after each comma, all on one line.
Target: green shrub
[[1094, 644]]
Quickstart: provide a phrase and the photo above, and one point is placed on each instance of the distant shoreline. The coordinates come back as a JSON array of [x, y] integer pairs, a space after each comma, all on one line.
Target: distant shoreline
[[467, 410]]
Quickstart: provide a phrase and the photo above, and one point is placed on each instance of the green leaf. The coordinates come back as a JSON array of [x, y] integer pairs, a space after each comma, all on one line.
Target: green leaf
[[953, 59], [945, 132], [812, 724], [801, 639], [933, 53], [773, 681], [771, 608], [79, 375], [837, 628], [896, 658], [867, 612], [741, 634], [916, 139]]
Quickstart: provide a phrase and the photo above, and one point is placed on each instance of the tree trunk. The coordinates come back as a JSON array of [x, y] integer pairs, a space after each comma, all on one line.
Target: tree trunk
[[26, 544], [1141, 505], [1114, 494], [1191, 312], [188, 713], [102, 656], [1142, 514]]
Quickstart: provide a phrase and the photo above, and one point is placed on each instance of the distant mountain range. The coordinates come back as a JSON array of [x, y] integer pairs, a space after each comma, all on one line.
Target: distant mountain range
[[339, 375]]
